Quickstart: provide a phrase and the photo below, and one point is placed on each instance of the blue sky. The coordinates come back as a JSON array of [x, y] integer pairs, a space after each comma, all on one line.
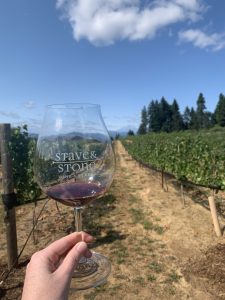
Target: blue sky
[[120, 54]]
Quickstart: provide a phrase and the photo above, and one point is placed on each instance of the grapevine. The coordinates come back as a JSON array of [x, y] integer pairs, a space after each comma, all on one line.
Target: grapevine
[[198, 157], [22, 149]]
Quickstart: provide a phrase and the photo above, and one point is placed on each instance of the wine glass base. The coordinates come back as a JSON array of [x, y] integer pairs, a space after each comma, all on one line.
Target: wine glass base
[[97, 271]]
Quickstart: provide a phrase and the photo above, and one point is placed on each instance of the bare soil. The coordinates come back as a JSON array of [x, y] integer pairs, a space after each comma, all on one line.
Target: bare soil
[[159, 249]]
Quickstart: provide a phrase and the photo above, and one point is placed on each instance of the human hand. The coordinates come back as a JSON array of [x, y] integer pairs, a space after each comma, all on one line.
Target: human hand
[[50, 270]]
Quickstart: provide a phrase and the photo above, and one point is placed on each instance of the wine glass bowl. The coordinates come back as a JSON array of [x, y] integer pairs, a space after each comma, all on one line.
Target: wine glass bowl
[[74, 164]]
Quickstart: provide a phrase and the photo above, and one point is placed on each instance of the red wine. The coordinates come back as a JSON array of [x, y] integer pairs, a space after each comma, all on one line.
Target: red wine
[[75, 193]]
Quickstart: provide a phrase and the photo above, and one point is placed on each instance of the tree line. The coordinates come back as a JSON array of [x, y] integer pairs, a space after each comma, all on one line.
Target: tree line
[[160, 116]]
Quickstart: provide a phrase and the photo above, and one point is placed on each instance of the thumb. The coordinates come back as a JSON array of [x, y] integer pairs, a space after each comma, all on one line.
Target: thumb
[[73, 257]]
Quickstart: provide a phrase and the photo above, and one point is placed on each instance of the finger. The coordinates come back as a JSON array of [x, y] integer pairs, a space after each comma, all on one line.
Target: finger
[[72, 258], [87, 238], [63, 245], [88, 253]]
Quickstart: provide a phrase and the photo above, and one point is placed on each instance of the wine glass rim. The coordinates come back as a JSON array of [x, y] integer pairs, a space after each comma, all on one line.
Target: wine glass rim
[[76, 105]]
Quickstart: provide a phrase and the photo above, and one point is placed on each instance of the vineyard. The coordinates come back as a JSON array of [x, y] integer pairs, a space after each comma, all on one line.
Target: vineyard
[[197, 157], [158, 248]]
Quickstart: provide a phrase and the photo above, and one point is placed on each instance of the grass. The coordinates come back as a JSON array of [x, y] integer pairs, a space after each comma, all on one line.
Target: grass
[[138, 216], [173, 277], [132, 199], [93, 294], [151, 278], [119, 252], [121, 277], [158, 229], [148, 225], [139, 280], [93, 214], [155, 267], [112, 290]]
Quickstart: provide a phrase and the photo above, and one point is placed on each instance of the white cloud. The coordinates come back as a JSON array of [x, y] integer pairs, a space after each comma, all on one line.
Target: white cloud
[[30, 104], [102, 22], [202, 40], [10, 114], [189, 4]]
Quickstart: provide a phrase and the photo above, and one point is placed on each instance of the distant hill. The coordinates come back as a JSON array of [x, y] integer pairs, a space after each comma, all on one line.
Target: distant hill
[[33, 135], [122, 131]]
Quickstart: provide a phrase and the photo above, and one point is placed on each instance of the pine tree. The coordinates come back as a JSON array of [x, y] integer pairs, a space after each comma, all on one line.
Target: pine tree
[[208, 120], [154, 117], [144, 122], [130, 132], [200, 112], [187, 118], [176, 122], [194, 119], [166, 115], [220, 111]]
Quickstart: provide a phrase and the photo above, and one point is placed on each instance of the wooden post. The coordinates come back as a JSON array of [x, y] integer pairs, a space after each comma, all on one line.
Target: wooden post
[[8, 195], [162, 179], [182, 194], [214, 215], [163, 182]]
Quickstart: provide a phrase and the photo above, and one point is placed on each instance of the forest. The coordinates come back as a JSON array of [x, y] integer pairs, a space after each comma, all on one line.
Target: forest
[[160, 116]]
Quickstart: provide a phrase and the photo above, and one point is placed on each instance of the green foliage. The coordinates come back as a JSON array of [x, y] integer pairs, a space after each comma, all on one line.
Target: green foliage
[[164, 117], [154, 116], [22, 152], [176, 121], [144, 121], [198, 157], [187, 117], [204, 119], [130, 132], [220, 111]]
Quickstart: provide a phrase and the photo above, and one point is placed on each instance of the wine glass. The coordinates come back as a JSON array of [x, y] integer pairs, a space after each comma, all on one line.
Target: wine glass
[[74, 164]]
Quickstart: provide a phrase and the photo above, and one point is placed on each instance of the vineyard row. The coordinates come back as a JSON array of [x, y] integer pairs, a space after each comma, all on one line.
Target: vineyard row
[[197, 157]]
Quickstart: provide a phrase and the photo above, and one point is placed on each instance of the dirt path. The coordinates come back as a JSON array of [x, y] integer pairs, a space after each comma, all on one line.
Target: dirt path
[[147, 234]]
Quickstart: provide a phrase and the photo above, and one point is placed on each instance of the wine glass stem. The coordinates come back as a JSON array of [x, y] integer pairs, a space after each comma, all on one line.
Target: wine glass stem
[[78, 227], [78, 218]]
